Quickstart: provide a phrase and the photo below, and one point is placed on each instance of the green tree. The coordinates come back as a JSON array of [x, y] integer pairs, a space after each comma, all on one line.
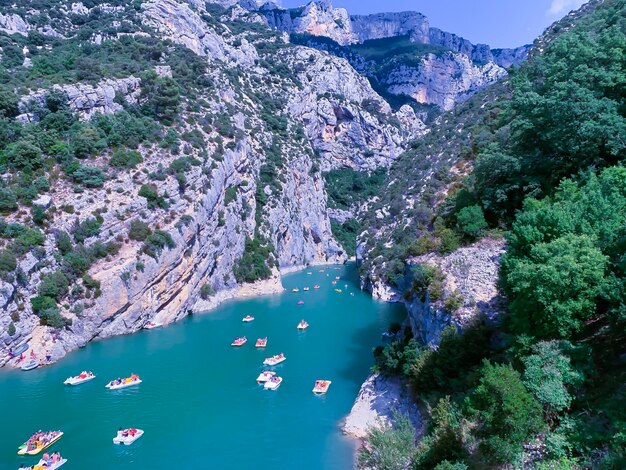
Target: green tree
[[548, 373], [507, 413], [54, 285], [390, 447], [470, 222], [555, 289]]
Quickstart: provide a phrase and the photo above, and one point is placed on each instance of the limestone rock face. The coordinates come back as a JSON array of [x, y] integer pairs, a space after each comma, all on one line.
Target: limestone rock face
[[444, 80], [88, 100], [472, 273], [181, 24], [379, 398], [13, 24], [331, 106]]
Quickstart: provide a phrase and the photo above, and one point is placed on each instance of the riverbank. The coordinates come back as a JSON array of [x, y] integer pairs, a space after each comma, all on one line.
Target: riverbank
[[378, 399], [48, 347]]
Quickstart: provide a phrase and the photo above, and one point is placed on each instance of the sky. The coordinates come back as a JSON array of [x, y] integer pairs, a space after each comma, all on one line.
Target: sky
[[499, 23]]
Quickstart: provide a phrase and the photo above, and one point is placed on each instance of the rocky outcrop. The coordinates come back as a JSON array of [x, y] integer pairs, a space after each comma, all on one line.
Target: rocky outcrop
[[379, 398], [86, 100], [332, 107], [471, 274], [444, 80], [181, 24], [458, 69], [13, 24], [386, 25]]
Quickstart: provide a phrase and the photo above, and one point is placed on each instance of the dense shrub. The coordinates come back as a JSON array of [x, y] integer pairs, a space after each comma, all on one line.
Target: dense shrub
[[139, 230], [255, 262], [154, 200], [156, 242]]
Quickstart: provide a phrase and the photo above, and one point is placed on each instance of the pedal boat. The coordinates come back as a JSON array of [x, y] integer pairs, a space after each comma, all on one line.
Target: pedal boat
[[23, 449], [273, 383], [79, 379], [261, 343], [247, 319], [303, 325], [274, 360], [127, 382], [265, 376], [239, 341], [321, 386], [132, 435]]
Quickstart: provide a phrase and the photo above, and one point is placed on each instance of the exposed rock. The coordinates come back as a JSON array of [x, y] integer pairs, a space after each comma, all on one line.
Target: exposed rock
[[163, 71], [13, 24], [43, 201], [87, 100], [444, 80], [376, 403], [179, 23], [471, 272]]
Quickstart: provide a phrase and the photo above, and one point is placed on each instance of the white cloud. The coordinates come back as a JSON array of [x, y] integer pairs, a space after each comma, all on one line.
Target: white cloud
[[560, 7]]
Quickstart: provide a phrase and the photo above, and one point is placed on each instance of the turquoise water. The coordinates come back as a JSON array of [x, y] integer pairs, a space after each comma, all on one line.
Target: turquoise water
[[199, 404]]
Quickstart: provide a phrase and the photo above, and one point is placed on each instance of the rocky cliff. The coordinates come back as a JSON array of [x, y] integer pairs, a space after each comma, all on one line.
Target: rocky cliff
[[266, 107], [445, 71]]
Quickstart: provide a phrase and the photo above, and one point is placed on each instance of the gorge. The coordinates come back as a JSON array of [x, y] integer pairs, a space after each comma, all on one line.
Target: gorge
[[160, 157]]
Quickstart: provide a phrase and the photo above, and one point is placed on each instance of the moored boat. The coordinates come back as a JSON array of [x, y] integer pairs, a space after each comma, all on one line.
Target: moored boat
[[152, 325], [39, 441], [321, 386], [277, 359], [123, 383], [273, 383], [18, 350], [265, 376], [30, 365], [127, 436], [83, 377], [239, 341], [303, 325], [261, 342], [247, 318]]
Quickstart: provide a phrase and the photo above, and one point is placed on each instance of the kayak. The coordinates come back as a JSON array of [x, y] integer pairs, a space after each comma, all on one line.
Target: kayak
[[273, 383], [41, 465], [265, 376], [321, 386], [30, 365], [23, 449], [19, 350], [338, 290], [127, 382], [77, 380], [129, 438], [261, 342], [272, 361]]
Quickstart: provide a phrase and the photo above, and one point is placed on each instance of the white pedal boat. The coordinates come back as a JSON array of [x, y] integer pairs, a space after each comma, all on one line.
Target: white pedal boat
[[247, 319], [265, 376], [273, 383], [129, 438], [127, 382], [321, 386], [79, 379], [151, 326], [272, 361], [303, 325], [42, 465]]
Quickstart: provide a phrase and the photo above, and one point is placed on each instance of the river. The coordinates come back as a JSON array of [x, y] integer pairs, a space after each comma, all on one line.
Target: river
[[199, 404]]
